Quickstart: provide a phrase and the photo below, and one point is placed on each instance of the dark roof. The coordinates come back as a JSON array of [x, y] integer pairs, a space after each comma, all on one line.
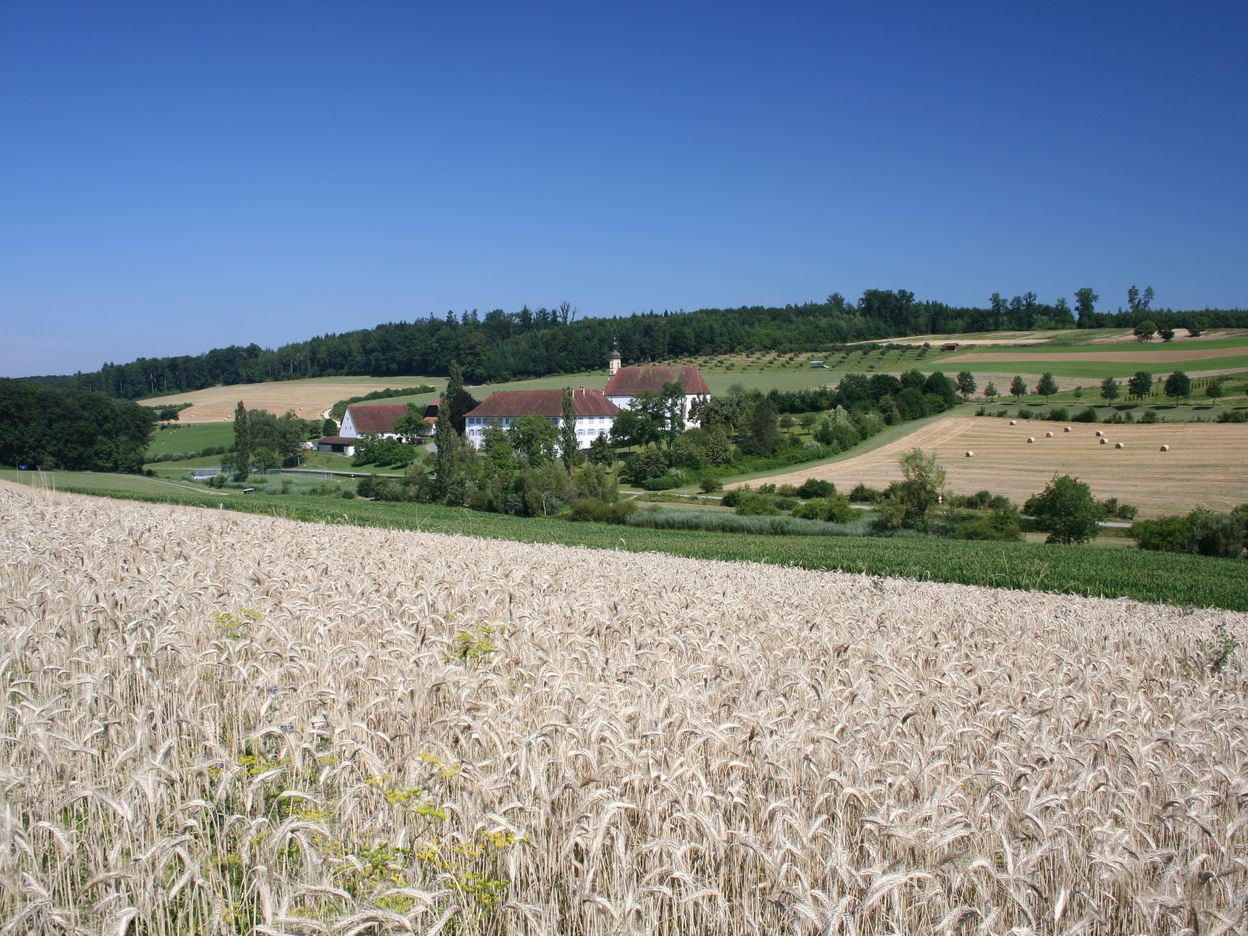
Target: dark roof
[[512, 403], [631, 381], [337, 440], [379, 417]]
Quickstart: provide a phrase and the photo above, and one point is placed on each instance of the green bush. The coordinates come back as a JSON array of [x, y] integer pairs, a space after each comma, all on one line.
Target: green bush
[[1085, 415], [1003, 524], [862, 494], [834, 509], [1058, 414], [661, 483], [814, 487], [756, 505], [1165, 534], [1216, 534], [592, 509]]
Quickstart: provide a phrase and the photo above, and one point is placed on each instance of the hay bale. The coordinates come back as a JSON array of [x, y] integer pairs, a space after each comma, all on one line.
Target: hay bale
[[1048, 435], [1013, 422], [1104, 441], [1067, 429], [1031, 438], [1120, 445], [1165, 448], [970, 454], [1099, 432]]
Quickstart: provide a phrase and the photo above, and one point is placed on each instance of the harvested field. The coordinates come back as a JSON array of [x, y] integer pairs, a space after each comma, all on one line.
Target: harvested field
[[308, 398], [1207, 464], [214, 722], [1144, 354]]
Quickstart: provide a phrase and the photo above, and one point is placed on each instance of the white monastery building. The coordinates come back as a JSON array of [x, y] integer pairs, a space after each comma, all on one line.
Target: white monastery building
[[625, 383], [595, 414]]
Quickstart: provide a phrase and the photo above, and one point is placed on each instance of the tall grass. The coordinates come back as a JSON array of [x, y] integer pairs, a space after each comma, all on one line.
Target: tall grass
[[717, 521]]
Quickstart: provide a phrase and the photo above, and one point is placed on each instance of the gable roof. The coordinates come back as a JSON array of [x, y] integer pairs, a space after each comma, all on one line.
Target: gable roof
[[513, 403], [631, 381], [380, 417]]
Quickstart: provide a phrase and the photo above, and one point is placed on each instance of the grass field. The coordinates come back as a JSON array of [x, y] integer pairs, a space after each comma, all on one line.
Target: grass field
[[192, 437], [1082, 570], [1207, 464]]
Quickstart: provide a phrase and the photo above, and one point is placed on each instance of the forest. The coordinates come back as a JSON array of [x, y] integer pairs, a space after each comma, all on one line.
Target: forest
[[507, 346]]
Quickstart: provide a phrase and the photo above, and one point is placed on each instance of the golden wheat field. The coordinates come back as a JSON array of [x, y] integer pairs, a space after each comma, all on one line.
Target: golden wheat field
[[217, 723], [1206, 465], [308, 398]]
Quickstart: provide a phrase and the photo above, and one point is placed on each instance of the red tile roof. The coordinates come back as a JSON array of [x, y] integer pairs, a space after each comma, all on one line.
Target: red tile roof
[[631, 381], [512, 403], [379, 417]]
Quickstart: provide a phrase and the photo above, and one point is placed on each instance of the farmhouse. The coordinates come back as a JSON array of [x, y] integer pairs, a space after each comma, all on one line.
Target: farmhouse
[[625, 383], [595, 414], [378, 419]]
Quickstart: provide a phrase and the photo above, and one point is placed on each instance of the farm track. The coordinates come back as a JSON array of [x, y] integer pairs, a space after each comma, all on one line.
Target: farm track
[[215, 722]]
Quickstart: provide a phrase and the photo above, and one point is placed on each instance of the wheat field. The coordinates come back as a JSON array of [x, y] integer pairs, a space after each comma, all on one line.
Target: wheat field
[[217, 723]]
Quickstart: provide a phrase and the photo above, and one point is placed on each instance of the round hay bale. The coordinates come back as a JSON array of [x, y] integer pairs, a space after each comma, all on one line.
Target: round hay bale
[[1031, 438], [970, 454], [1120, 445], [1165, 448], [1048, 435], [1067, 429], [1099, 433], [1013, 422], [1104, 441]]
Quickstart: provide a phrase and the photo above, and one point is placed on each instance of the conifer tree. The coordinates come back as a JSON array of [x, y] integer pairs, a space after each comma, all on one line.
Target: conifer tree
[[569, 447], [242, 442]]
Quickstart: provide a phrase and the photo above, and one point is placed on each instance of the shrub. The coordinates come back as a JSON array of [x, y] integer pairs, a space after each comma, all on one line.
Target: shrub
[[709, 483], [756, 505], [1058, 414], [1166, 534], [733, 497], [814, 487], [592, 509], [1003, 524], [1085, 415], [787, 490], [662, 483], [1066, 509], [862, 494], [1216, 534], [834, 509]]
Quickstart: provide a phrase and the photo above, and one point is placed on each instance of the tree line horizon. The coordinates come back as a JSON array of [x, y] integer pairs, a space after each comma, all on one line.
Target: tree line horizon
[[503, 346]]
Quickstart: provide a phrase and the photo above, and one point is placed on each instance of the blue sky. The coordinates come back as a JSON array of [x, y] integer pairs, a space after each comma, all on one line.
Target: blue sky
[[175, 177]]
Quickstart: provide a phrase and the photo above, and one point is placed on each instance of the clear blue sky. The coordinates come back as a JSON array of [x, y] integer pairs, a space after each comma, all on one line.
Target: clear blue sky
[[178, 176]]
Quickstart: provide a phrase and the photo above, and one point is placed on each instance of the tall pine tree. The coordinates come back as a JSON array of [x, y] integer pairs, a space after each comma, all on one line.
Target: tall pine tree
[[447, 464], [569, 447], [242, 442]]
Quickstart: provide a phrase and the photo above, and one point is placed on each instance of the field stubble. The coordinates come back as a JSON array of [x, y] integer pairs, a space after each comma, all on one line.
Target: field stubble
[[214, 722], [1207, 464]]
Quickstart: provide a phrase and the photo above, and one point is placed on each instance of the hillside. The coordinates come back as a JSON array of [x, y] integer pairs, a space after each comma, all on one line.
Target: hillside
[[228, 721]]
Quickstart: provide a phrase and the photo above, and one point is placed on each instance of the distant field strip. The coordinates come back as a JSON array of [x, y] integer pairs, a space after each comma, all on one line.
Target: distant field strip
[[308, 398], [1141, 355], [1207, 464], [223, 723]]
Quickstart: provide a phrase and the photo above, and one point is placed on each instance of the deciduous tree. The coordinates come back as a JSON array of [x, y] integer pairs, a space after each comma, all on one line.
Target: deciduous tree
[[1066, 509]]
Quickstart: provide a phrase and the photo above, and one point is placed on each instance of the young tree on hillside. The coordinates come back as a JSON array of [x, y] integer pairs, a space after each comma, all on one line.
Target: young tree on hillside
[[966, 383], [1145, 331], [1018, 387], [1110, 389], [1178, 384], [1046, 386], [990, 391], [411, 426], [1066, 509], [909, 501], [242, 442], [1140, 385]]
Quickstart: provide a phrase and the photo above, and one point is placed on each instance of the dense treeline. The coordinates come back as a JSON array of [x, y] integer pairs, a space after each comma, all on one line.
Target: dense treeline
[[503, 346], [43, 427]]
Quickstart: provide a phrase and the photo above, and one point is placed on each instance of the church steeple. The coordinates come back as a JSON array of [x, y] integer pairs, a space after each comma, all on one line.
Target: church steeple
[[613, 362]]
